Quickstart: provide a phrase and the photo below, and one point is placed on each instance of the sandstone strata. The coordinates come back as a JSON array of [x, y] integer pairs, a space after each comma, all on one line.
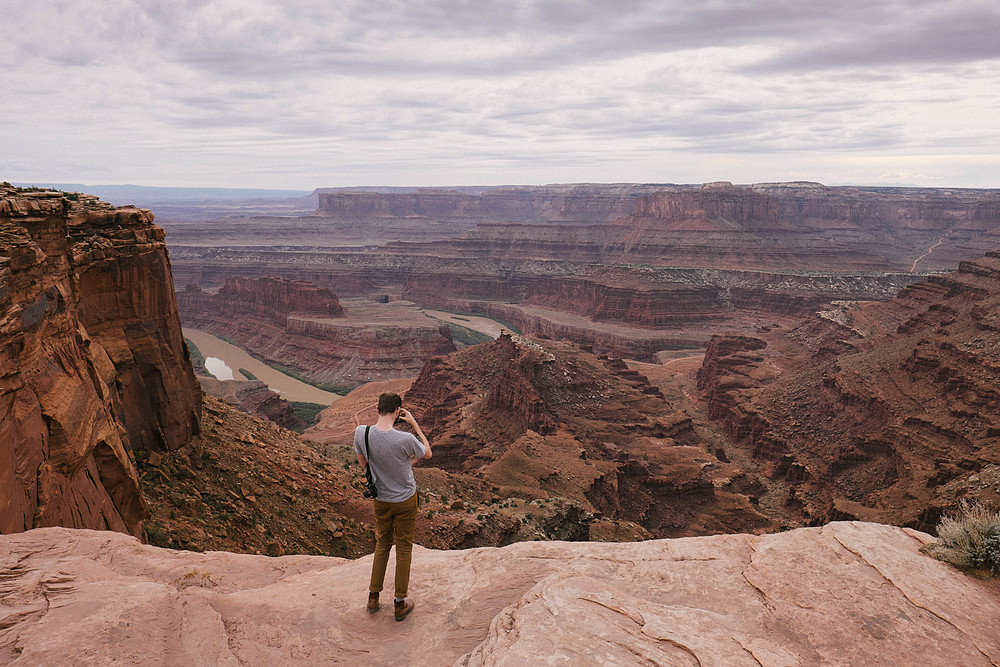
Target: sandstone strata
[[545, 419], [684, 261], [888, 412], [303, 328], [94, 366], [847, 593]]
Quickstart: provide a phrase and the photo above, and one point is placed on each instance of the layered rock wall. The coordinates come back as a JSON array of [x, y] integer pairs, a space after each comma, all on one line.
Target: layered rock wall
[[887, 411], [558, 204], [94, 366], [271, 298], [302, 328]]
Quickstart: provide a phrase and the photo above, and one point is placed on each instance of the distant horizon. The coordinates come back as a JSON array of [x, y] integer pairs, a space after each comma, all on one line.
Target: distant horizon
[[300, 192]]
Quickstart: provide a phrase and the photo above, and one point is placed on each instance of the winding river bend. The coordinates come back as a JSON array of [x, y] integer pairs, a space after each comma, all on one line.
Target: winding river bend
[[237, 358]]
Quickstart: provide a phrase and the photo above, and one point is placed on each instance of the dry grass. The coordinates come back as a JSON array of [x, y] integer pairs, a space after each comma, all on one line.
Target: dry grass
[[971, 539]]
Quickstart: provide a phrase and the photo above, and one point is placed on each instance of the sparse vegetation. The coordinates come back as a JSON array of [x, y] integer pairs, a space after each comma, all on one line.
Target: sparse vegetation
[[464, 336], [307, 411], [301, 378], [156, 534], [971, 539], [197, 358], [247, 374]]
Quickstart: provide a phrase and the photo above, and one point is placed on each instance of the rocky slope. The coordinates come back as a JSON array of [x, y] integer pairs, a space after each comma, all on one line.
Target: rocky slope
[[887, 412], [254, 398], [847, 593], [302, 327], [94, 366], [248, 486], [545, 419]]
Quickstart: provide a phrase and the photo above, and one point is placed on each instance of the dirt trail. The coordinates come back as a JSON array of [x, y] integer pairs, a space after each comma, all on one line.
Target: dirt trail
[[929, 251]]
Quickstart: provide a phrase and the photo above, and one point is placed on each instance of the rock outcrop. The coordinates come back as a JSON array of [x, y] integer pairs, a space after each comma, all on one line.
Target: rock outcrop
[[94, 367], [886, 412], [298, 326], [847, 593], [254, 398], [549, 419]]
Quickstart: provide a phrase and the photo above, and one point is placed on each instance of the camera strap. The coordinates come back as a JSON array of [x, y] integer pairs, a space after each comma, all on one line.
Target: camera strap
[[368, 460]]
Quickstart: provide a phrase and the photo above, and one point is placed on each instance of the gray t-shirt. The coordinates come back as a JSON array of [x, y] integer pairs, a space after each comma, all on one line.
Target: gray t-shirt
[[389, 459]]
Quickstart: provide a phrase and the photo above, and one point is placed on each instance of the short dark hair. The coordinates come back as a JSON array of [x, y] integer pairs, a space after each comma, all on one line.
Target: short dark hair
[[388, 402]]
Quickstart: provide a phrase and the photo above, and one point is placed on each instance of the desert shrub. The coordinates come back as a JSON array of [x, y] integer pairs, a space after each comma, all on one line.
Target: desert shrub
[[970, 539], [307, 412], [465, 337], [156, 534]]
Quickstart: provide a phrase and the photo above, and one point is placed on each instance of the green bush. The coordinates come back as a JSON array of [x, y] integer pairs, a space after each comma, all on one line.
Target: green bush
[[156, 534], [197, 358], [247, 374], [464, 336], [307, 411], [971, 539]]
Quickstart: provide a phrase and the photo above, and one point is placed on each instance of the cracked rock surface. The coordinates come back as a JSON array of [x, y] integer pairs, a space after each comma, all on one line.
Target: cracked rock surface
[[848, 593]]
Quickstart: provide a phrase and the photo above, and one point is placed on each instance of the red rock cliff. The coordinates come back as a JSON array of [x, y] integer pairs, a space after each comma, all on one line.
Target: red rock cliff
[[277, 298], [94, 366], [884, 411], [569, 204]]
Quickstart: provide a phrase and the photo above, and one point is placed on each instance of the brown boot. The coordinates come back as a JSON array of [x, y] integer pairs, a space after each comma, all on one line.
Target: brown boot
[[402, 609], [373, 604]]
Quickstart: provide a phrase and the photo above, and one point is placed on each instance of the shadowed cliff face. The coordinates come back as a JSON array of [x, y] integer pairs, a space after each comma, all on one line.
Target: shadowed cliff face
[[94, 367], [890, 412]]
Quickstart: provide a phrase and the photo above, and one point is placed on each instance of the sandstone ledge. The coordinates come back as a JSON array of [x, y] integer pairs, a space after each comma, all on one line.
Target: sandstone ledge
[[846, 593]]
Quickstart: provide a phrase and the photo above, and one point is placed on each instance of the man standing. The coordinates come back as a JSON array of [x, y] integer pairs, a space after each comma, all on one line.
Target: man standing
[[391, 455]]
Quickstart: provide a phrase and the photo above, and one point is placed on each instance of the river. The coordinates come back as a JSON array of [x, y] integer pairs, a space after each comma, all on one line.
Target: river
[[237, 358]]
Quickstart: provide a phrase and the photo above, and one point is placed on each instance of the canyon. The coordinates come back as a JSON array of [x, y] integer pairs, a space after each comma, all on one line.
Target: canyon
[[802, 373], [298, 326], [886, 411], [629, 269]]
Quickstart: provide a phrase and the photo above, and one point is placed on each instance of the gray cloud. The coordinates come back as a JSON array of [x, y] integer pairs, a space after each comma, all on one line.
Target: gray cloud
[[631, 87]]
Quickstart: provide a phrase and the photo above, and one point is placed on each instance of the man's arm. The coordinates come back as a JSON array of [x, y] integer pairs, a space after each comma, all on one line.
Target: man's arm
[[409, 419], [361, 457]]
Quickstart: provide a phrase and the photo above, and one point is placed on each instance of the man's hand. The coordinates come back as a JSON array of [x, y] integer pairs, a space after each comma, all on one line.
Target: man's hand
[[407, 417]]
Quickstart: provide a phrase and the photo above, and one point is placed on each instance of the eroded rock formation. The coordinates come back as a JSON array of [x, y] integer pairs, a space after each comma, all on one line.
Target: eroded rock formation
[[683, 261], [887, 411], [254, 398], [301, 327], [847, 593], [549, 419], [94, 366]]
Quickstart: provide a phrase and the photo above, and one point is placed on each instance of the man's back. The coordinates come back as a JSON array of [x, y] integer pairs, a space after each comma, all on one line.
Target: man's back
[[389, 455]]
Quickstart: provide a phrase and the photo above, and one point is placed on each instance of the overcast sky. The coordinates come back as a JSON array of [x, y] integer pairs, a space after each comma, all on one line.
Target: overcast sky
[[313, 93]]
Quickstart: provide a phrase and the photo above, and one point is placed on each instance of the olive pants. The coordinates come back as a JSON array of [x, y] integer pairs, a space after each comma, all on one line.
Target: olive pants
[[394, 520]]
